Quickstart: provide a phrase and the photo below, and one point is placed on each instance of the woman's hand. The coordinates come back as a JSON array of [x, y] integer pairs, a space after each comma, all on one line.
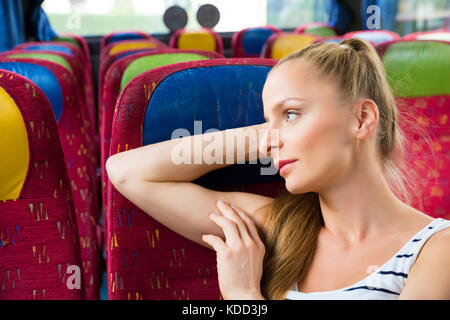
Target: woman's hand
[[240, 258]]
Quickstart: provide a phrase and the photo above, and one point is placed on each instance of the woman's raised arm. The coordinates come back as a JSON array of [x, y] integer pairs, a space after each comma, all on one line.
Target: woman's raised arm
[[156, 178]]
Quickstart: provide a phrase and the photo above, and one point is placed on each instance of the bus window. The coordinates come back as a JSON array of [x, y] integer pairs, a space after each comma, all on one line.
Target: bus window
[[93, 17]]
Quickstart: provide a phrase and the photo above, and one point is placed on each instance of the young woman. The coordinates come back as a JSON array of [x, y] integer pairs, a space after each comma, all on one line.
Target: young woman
[[339, 232]]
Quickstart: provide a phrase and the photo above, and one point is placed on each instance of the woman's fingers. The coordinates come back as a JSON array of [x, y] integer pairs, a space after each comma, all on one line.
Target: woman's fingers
[[249, 223], [229, 228], [215, 242], [229, 213]]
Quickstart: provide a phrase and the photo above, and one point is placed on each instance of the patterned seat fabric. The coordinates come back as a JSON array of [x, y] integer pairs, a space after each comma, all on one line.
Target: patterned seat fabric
[[248, 43], [104, 67], [146, 260], [84, 45], [70, 64], [282, 44], [419, 74], [39, 248], [119, 74], [85, 74], [118, 50], [201, 39], [58, 85]]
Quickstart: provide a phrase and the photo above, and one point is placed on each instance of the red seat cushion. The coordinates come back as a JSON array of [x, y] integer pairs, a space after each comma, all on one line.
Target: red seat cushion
[[38, 229], [82, 72], [73, 137], [429, 152]]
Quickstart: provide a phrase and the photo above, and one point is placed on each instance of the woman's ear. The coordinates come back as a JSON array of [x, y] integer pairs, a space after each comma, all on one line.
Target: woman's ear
[[365, 118]]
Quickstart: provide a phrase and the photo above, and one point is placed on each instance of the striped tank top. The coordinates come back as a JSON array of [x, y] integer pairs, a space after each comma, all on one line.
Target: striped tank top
[[386, 282]]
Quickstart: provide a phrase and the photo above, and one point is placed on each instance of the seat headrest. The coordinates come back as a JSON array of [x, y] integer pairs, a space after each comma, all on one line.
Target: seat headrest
[[286, 43], [254, 39], [321, 31], [199, 40], [49, 47], [14, 148], [375, 36], [125, 36], [418, 68], [221, 97], [128, 46], [143, 64], [44, 56], [43, 78]]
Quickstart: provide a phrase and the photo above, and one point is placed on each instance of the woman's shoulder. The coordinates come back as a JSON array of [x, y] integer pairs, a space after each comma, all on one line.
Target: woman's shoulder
[[440, 239], [428, 277], [439, 233]]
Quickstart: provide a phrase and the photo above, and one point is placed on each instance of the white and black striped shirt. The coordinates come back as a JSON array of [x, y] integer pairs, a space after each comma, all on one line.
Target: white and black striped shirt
[[385, 283]]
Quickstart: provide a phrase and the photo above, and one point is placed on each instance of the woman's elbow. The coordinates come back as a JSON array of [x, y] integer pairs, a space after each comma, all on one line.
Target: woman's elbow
[[116, 170]]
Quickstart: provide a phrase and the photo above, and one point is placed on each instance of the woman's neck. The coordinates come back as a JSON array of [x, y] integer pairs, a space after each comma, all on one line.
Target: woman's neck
[[362, 208]]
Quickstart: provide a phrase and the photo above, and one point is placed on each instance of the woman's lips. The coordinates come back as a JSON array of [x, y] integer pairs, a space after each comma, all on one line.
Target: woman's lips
[[286, 166], [283, 163]]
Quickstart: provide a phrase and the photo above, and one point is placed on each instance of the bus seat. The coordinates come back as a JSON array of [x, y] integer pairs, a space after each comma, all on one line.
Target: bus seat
[[374, 36], [87, 114], [49, 47], [248, 43], [55, 46], [442, 35], [130, 45], [336, 39], [82, 43], [146, 260], [282, 44], [65, 38], [317, 29], [201, 39], [82, 61], [39, 243], [123, 35], [69, 62], [119, 75], [58, 85], [419, 73], [107, 59]]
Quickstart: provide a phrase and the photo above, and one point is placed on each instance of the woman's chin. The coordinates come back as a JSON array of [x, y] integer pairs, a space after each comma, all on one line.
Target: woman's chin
[[295, 187]]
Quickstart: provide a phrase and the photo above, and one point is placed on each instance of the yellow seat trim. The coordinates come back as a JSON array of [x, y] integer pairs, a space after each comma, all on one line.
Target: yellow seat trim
[[14, 152], [197, 40], [121, 47], [287, 44]]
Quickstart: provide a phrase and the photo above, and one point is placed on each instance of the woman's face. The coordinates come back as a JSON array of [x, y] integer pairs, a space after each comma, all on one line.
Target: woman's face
[[314, 128]]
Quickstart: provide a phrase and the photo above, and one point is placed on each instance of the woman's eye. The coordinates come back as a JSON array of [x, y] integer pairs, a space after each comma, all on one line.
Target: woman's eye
[[291, 113]]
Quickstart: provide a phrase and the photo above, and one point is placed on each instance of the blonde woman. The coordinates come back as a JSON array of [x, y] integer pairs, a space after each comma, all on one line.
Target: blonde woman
[[339, 232]]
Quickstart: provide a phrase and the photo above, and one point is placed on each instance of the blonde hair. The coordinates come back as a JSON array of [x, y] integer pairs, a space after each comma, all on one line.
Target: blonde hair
[[293, 221]]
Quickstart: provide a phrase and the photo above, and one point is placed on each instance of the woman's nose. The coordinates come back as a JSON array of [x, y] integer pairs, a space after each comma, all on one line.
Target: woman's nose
[[269, 140]]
